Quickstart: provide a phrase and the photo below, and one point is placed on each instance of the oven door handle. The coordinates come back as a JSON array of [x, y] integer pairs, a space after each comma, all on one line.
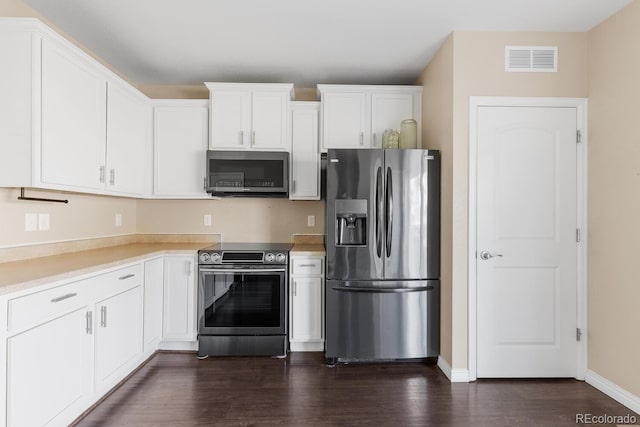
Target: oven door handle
[[235, 270]]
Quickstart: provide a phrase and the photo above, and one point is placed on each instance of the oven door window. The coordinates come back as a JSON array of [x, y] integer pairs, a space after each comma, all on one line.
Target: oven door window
[[244, 302]]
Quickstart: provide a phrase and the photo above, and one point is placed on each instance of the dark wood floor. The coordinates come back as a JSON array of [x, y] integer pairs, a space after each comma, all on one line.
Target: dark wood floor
[[178, 390]]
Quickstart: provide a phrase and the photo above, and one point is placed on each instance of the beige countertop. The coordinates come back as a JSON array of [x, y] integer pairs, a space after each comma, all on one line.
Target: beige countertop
[[308, 249], [21, 275]]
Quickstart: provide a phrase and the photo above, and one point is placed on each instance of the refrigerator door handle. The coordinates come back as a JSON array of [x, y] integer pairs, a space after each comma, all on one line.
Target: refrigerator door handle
[[379, 208], [389, 211], [373, 290]]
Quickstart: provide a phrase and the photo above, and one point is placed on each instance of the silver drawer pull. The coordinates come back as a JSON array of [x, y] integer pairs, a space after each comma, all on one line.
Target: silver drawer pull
[[64, 297], [307, 265], [128, 276], [89, 322]]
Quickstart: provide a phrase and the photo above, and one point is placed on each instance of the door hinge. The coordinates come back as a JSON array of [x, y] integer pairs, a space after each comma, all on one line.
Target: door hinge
[[578, 137], [578, 237], [578, 334]]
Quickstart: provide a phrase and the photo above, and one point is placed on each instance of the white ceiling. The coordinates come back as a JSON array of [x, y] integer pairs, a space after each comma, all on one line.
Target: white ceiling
[[296, 41]]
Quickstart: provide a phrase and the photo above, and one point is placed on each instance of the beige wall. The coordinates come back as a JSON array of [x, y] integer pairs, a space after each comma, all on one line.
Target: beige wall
[[237, 220], [613, 202], [437, 133], [85, 216], [478, 70]]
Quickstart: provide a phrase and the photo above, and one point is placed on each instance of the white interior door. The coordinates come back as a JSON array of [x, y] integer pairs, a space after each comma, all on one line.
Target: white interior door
[[526, 242]]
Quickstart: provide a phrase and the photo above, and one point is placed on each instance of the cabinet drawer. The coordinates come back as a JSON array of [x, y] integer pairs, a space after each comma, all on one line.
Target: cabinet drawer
[[109, 284], [306, 266], [32, 309]]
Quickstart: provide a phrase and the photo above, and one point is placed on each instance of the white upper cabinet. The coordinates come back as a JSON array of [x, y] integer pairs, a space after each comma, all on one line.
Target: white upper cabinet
[[305, 156], [356, 116], [128, 141], [249, 116], [73, 120], [180, 137], [344, 120], [68, 123], [388, 110]]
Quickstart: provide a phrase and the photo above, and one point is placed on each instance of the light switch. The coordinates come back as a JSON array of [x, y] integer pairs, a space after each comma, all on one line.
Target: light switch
[[311, 220], [43, 221], [30, 222], [118, 220], [207, 220]]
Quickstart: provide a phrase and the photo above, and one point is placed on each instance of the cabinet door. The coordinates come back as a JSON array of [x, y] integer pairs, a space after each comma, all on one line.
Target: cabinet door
[[387, 112], [73, 120], [127, 141], [153, 288], [306, 308], [118, 325], [344, 120], [179, 298], [49, 371], [230, 119], [269, 120], [305, 161], [180, 144]]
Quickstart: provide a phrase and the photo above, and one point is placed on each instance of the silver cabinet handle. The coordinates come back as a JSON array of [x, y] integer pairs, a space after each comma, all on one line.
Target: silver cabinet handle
[[112, 176], [361, 138], [127, 276], [293, 186], [253, 138], [103, 316], [205, 184], [485, 255], [89, 325], [241, 137], [307, 265], [64, 297], [295, 289], [102, 174]]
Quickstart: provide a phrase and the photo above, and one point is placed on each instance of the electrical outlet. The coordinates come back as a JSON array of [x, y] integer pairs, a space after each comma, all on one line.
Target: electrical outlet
[[311, 220], [43, 221], [30, 222], [118, 220], [207, 220]]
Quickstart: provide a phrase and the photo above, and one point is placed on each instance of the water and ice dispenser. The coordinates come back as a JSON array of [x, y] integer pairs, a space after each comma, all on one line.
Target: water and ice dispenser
[[351, 222]]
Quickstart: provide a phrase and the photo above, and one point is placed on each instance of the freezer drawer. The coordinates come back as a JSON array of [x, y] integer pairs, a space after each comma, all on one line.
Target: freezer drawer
[[382, 320]]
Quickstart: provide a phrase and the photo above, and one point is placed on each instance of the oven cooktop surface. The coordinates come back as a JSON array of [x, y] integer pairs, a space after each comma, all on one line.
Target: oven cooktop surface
[[247, 247]]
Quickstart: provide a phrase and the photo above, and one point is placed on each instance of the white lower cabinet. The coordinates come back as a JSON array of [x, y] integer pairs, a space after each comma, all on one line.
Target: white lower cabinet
[[118, 336], [179, 314], [306, 303], [49, 371], [65, 345], [153, 297]]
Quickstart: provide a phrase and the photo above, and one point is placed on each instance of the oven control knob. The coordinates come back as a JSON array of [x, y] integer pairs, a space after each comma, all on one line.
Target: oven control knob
[[205, 257], [281, 258], [215, 257], [269, 257]]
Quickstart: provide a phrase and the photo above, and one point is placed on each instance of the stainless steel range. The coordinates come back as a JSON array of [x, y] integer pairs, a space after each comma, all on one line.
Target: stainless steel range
[[242, 299]]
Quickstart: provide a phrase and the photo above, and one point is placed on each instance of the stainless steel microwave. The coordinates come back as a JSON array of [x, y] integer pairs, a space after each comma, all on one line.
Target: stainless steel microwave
[[247, 173]]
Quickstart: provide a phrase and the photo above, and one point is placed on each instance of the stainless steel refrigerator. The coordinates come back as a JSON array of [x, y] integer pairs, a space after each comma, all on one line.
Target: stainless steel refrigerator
[[383, 254]]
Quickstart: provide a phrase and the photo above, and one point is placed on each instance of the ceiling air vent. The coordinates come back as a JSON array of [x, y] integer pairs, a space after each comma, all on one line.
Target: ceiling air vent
[[534, 59]]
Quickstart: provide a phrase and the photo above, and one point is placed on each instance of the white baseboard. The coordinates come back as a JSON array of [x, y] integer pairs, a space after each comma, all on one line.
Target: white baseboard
[[614, 391], [454, 375], [178, 345]]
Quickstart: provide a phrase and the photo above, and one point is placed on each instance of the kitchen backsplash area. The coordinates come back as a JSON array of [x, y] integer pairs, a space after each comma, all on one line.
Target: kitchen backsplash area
[[89, 221], [236, 219]]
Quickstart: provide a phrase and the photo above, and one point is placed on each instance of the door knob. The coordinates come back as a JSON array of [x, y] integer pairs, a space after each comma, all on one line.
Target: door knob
[[485, 255]]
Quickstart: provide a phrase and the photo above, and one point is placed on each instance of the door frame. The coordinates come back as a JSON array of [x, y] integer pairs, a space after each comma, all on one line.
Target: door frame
[[580, 104]]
